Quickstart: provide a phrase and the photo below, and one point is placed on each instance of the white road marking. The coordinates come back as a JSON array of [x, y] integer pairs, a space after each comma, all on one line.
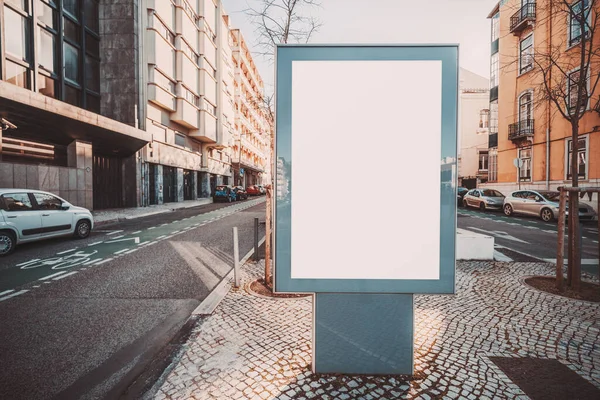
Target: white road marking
[[114, 232], [6, 292], [549, 231], [143, 243], [161, 237], [595, 241], [175, 232], [531, 227], [64, 276], [47, 282], [66, 251], [152, 227], [28, 262], [501, 257], [36, 286], [135, 233], [102, 262], [92, 262], [95, 243], [117, 237], [52, 276], [584, 261], [499, 234], [152, 243], [120, 251], [131, 251], [135, 240], [13, 295], [163, 224]]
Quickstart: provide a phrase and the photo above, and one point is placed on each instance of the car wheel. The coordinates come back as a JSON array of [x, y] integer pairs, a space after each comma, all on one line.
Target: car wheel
[[508, 210], [546, 215], [482, 206], [465, 204], [8, 241], [83, 229]]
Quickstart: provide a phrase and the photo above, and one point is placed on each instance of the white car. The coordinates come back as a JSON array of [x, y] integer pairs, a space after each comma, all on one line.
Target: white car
[[29, 215]]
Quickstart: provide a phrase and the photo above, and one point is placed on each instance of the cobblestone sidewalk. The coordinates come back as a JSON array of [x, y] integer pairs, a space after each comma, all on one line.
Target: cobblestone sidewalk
[[260, 348]]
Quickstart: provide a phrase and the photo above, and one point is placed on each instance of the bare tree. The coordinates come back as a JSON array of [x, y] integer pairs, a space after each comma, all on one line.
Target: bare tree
[[565, 74], [278, 22]]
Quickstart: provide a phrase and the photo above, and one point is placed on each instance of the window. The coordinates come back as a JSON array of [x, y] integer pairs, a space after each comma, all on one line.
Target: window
[[47, 50], [17, 202], [577, 23], [17, 75], [47, 202], [191, 97], [191, 53], [47, 16], [525, 170], [483, 160], [19, 29], [525, 110], [209, 107], [581, 157], [484, 117], [572, 92], [161, 28], [496, 27], [72, 95], [494, 117], [72, 63], [91, 15], [47, 86], [180, 140], [493, 166], [494, 71], [161, 80], [92, 73], [72, 7], [526, 54]]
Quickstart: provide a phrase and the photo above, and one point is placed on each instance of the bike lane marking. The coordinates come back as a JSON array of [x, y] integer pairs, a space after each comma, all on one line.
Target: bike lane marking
[[31, 271], [52, 276], [64, 276], [13, 295]]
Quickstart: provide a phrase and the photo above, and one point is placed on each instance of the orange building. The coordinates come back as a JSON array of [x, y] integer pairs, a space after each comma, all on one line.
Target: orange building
[[525, 124]]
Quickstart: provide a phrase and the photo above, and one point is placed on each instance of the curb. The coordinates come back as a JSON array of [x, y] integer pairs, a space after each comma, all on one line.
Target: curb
[[166, 210]]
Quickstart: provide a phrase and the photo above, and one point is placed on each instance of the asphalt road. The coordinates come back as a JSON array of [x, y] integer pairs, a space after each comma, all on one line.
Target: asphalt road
[[86, 316], [529, 235]]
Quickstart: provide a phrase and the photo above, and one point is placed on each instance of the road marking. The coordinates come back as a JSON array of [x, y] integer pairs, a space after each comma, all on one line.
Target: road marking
[[499, 234], [117, 237], [584, 261], [95, 243], [549, 231], [531, 227], [152, 227], [6, 292], [13, 295], [152, 243], [52, 276], [501, 257], [120, 251], [595, 241], [135, 239], [175, 221], [135, 233], [143, 243], [66, 251], [64, 276], [102, 262], [175, 232], [92, 262], [131, 251], [114, 232], [28, 262], [161, 237], [36, 286], [163, 224]]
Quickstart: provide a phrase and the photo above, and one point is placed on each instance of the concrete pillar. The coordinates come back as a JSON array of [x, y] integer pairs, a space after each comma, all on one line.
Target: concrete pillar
[[205, 184], [194, 185], [132, 179], [158, 187], [79, 156], [219, 180], [179, 196]]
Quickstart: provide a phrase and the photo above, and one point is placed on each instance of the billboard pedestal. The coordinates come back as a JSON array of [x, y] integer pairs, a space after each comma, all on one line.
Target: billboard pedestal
[[361, 333]]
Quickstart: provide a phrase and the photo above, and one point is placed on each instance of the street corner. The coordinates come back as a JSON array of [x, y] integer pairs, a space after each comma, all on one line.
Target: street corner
[[469, 345]]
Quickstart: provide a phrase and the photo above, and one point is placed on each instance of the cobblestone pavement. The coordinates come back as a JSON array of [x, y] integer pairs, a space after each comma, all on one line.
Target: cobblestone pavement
[[260, 348]]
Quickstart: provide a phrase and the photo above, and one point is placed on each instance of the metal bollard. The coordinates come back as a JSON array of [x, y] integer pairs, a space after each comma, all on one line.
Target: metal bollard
[[236, 259], [256, 257]]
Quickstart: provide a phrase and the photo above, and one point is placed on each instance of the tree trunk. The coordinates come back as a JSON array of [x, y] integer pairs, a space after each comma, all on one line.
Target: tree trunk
[[575, 254]]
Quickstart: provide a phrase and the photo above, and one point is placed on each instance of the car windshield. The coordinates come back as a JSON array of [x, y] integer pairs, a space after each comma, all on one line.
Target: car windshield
[[491, 193], [221, 188], [462, 190], [552, 196]]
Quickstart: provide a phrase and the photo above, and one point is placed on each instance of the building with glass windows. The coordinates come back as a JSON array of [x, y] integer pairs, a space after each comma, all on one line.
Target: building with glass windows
[[525, 124]]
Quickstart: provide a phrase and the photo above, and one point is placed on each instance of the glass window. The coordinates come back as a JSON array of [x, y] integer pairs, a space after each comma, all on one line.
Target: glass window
[[20, 4], [581, 158], [17, 202], [47, 16], [17, 74], [496, 27], [72, 7], [483, 160], [525, 170], [71, 30], [72, 95], [576, 22], [47, 86], [572, 92], [47, 50], [180, 140], [494, 117], [494, 69], [47, 202], [92, 45], [92, 73], [92, 103], [526, 54], [91, 14], [493, 166], [191, 97], [525, 110], [72, 63], [161, 80], [18, 27]]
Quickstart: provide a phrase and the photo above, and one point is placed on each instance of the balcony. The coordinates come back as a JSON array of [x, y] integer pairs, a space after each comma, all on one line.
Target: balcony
[[520, 130], [522, 18]]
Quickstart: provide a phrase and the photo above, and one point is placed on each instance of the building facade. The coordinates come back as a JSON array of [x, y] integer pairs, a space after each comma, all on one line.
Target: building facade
[[126, 102], [530, 130], [66, 127], [473, 127]]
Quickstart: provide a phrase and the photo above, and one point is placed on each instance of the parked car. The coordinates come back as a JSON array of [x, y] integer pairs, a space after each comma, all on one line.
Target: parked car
[[240, 193], [543, 204], [30, 215], [224, 193], [253, 190], [484, 199], [262, 189], [460, 194]]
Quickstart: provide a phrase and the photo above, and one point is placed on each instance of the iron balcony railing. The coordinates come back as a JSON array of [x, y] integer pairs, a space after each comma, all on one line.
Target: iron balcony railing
[[521, 129], [520, 18]]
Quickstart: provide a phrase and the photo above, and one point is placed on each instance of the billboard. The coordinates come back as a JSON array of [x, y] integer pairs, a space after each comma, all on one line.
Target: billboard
[[366, 168]]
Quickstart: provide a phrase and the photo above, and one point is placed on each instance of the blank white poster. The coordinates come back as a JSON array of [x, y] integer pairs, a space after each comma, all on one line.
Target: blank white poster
[[366, 156]]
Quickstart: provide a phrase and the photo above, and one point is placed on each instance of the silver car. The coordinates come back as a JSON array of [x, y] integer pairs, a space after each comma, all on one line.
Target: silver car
[[484, 199], [543, 204]]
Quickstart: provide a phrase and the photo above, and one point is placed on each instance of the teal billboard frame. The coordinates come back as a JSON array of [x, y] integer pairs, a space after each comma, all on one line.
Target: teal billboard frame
[[448, 55]]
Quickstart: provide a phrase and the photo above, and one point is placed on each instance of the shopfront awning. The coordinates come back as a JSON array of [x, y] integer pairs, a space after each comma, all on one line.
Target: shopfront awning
[[47, 120]]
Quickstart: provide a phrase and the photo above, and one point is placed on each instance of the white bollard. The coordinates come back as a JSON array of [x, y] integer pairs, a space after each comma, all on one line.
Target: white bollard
[[236, 259]]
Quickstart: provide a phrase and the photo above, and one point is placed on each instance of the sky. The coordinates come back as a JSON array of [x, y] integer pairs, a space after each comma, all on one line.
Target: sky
[[391, 21]]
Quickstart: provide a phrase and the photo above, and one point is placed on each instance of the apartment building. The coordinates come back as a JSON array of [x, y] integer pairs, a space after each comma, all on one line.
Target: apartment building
[[68, 100], [252, 124], [526, 128], [473, 126]]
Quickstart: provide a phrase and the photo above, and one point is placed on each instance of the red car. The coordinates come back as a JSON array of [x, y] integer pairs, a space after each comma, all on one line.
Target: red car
[[253, 191]]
